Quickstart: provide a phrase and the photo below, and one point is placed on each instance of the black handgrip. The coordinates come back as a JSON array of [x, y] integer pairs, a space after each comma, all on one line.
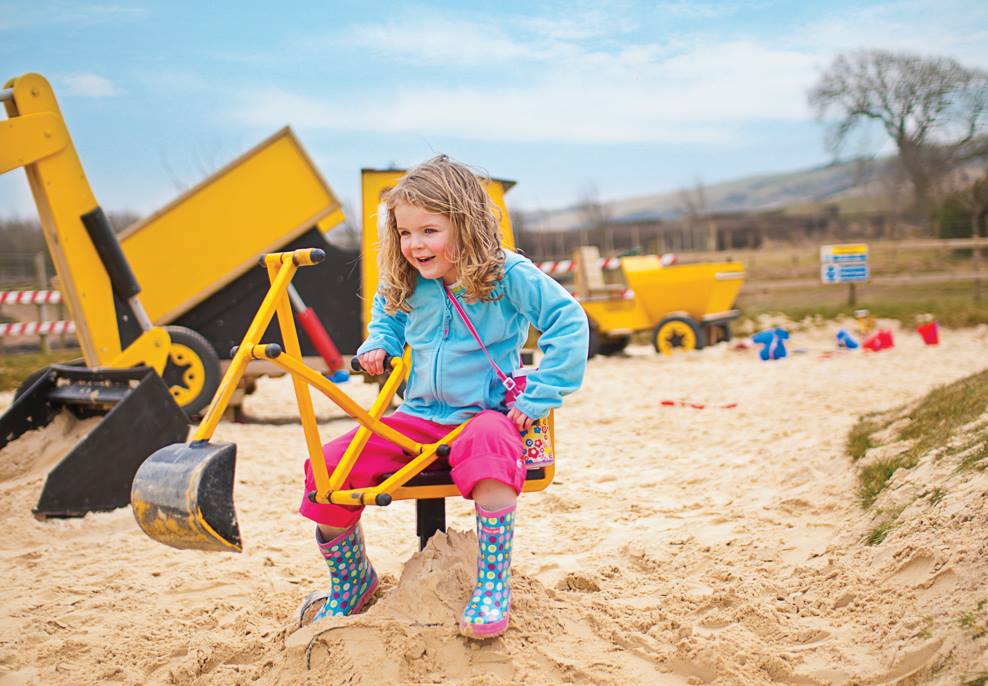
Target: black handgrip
[[110, 254], [356, 366]]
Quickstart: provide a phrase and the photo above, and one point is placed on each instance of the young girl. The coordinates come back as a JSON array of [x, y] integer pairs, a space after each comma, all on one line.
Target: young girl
[[442, 233]]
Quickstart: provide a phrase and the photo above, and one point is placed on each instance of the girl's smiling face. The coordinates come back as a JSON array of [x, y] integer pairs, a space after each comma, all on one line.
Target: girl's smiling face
[[426, 241]]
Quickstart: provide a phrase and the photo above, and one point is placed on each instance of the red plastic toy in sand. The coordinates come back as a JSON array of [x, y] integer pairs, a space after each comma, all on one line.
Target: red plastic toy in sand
[[930, 333], [880, 340]]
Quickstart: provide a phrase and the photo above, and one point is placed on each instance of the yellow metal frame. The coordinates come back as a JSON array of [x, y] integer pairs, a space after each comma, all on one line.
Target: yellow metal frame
[[281, 268], [34, 136]]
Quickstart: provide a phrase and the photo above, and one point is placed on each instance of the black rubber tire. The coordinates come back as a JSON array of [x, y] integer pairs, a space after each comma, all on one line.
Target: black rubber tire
[[722, 333], [593, 345], [612, 345], [701, 340], [38, 373], [173, 375], [29, 381]]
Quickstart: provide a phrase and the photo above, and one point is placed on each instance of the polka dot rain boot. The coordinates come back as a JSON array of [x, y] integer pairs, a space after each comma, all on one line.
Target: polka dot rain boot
[[353, 577], [486, 615]]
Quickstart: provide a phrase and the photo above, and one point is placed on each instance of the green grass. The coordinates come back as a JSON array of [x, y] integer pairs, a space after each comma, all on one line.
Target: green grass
[[873, 478], [980, 680], [936, 495], [878, 534], [14, 368], [975, 621], [928, 424], [859, 439]]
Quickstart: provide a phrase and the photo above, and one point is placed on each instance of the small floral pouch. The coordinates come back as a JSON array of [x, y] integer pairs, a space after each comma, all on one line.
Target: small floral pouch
[[536, 442]]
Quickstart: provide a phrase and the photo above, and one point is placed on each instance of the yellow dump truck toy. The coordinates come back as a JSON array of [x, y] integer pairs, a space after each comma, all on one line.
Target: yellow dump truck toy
[[684, 307]]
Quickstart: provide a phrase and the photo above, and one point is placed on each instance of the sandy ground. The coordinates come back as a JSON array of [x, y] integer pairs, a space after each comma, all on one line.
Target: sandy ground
[[676, 546]]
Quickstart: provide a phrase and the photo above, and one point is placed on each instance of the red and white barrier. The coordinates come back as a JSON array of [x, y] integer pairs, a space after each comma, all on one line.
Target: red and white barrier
[[30, 297], [35, 328], [566, 266]]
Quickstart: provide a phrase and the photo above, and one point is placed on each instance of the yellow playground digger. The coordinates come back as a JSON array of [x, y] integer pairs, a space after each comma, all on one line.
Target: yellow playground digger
[[129, 364], [183, 494]]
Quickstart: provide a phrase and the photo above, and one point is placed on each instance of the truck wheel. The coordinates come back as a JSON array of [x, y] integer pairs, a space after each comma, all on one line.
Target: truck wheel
[[678, 333], [593, 346], [719, 333], [29, 381], [612, 345], [38, 373], [192, 372]]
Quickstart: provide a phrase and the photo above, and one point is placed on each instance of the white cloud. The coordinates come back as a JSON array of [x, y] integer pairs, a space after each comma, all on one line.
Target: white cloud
[[579, 26], [61, 12], [582, 80], [927, 27], [702, 10], [438, 40], [635, 94], [89, 85]]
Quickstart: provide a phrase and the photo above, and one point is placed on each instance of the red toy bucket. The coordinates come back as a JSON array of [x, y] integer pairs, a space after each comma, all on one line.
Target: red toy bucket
[[930, 333]]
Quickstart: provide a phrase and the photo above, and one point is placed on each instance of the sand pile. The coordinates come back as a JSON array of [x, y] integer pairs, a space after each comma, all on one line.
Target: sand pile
[[676, 546]]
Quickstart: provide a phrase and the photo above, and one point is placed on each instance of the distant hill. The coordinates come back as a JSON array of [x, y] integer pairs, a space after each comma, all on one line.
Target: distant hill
[[829, 183]]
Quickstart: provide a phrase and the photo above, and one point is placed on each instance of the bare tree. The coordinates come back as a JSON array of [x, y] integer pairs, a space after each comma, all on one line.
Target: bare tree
[[697, 216], [933, 109], [893, 194], [519, 228], [595, 215]]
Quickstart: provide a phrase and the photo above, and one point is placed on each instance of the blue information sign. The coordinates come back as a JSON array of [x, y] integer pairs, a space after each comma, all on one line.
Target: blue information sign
[[844, 263]]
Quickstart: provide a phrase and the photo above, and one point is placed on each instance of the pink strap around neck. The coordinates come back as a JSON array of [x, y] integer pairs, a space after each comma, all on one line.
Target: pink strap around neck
[[508, 382]]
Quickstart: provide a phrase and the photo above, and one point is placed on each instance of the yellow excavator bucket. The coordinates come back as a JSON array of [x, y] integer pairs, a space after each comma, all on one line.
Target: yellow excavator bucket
[[182, 496]]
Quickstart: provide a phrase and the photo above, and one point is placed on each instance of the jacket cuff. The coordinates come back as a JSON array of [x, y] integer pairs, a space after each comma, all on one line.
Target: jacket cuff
[[530, 409]]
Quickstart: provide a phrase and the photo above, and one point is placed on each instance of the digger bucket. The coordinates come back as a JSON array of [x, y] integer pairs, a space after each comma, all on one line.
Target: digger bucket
[[139, 417], [182, 496]]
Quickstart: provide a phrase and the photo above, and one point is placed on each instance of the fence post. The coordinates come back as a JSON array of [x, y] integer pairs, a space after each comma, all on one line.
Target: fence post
[[976, 261], [41, 279]]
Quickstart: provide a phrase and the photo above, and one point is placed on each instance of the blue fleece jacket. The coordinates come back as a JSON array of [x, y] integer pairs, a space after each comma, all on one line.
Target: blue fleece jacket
[[451, 380]]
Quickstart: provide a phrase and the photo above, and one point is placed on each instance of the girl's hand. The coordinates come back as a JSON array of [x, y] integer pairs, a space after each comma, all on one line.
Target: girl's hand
[[522, 421], [373, 361]]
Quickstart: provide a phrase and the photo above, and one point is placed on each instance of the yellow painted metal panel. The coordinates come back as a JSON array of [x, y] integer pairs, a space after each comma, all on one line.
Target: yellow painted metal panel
[[692, 288], [29, 138], [610, 315], [62, 195], [373, 184], [214, 232]]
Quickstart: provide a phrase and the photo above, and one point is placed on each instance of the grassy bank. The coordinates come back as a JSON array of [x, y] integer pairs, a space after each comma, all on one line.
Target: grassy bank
[[940, 421]]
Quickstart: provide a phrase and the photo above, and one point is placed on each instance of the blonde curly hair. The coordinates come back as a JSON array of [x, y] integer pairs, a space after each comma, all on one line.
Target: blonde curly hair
[[452, 189]]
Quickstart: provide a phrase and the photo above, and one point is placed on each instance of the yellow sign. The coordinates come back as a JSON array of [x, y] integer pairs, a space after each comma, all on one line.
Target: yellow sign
[[848, 249]]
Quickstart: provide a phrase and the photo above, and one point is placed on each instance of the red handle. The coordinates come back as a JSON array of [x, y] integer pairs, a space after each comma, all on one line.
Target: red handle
[[320, 339]]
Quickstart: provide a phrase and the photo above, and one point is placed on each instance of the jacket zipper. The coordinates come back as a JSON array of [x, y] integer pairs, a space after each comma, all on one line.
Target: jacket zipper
[[439, 348]]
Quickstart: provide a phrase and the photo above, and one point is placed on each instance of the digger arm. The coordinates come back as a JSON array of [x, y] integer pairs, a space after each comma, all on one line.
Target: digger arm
[[34, 136]]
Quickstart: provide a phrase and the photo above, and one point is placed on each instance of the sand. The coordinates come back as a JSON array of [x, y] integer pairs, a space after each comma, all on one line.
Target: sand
[[676, 546]]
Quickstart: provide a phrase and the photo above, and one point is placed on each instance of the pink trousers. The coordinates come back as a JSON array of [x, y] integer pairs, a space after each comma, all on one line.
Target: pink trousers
[[489, 448]]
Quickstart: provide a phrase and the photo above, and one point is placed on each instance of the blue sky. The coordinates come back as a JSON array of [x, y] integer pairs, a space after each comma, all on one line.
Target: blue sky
[[624, 97]]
